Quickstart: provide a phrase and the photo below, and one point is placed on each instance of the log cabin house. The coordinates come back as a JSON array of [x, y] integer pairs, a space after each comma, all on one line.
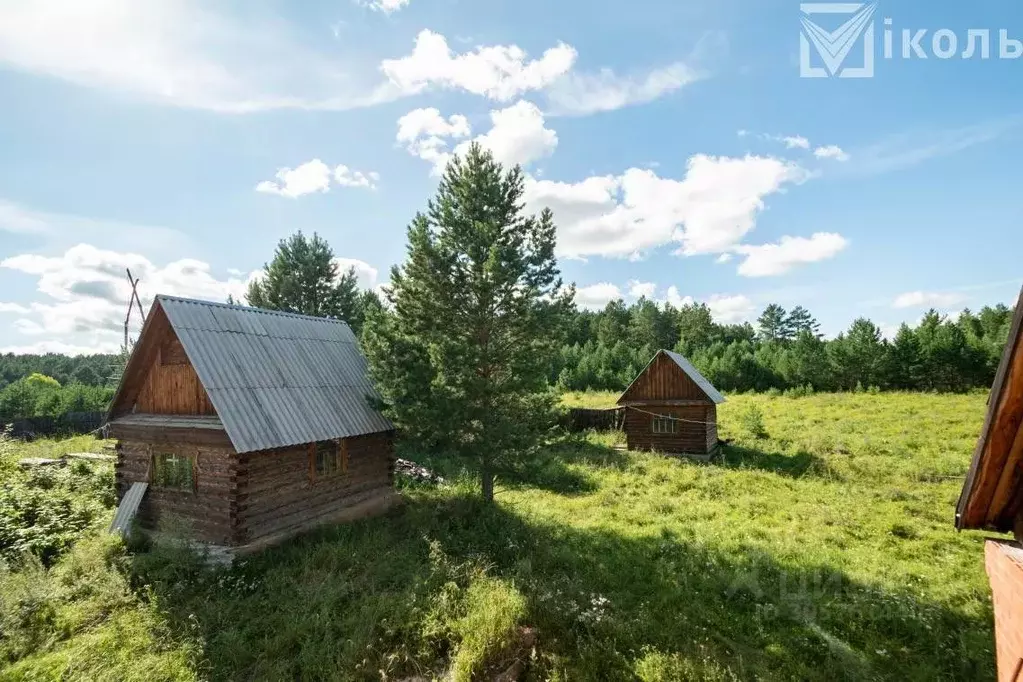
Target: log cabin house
[[670, 407], [992, 499], [248, 425]]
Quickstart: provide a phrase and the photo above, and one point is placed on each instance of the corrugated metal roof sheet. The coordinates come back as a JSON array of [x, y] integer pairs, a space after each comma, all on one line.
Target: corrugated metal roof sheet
[[695, 375], [128, 508], [276, 379]]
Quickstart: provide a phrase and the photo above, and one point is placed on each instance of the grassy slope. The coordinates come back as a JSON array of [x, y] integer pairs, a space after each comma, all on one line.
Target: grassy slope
[[824, 551]]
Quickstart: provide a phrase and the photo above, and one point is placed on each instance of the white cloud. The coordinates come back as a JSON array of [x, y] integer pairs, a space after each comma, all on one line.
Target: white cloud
[[795, 142], [182, 52], [775, 259], [13, 308], [315, 176], [499, 72], [596, 296], [347, 177], [728, 309], [86, 293], [364, 272], [831, 151], [723, 258], [577, 94], [518, 135], [424, 133], [675, 297], [311, 176], [927, 299], [638, 289], [709, 211], [386, 6]]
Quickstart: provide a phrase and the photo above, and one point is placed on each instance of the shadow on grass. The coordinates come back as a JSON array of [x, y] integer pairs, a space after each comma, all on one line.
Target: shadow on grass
[[553, 467], [798, 465], [375, 598]]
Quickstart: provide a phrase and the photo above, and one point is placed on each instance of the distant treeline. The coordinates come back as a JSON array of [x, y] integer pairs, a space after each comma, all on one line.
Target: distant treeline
[[784, 350], [89, 370], [38, 395]]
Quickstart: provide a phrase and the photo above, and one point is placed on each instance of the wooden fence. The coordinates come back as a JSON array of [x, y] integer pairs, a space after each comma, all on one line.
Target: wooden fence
[[66, 424], [581, 419]]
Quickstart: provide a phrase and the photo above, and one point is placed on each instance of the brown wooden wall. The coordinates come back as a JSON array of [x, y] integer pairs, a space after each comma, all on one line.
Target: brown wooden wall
[[208, 513], [691, 438], [172, 386], [663, 380], [277, 493]]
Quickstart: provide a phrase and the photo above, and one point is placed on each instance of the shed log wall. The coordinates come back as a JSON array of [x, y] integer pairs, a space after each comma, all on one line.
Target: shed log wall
[[171, 385], [208, 513], [278, 493], [663, 380], [693, 438]]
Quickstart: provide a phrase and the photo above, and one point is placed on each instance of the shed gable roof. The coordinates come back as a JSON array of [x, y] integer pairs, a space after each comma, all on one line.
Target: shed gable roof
[[275, 379], [993, 491], [687, 368]]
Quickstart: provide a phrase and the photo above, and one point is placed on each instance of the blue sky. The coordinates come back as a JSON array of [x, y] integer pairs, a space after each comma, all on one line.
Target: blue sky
[[682, 153]]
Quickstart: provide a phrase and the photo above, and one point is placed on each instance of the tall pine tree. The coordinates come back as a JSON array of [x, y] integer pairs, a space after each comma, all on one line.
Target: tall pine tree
[[303, 277], [478, 312]]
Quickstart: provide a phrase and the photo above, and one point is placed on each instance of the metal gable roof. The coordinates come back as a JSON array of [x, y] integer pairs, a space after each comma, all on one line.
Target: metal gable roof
[[695, 375], [276, 379]]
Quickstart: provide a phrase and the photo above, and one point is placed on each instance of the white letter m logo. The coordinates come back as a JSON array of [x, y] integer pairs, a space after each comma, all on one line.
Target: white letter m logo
[[834, 46]]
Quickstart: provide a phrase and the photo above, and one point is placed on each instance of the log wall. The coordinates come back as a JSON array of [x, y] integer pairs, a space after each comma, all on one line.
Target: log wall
[[207, 514], [691, 438], [279, 494]]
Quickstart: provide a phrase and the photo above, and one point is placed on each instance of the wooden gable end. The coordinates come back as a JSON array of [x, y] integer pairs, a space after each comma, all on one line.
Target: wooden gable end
[[993, 495], [663, 380], [159, 379]]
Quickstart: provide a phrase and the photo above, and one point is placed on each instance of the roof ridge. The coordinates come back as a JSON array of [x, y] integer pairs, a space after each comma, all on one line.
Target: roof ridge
[[246, 308]]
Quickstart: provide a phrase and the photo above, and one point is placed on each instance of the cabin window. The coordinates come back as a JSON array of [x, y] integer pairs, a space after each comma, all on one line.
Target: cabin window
[[173, 472], [330, 458], [665, 424]]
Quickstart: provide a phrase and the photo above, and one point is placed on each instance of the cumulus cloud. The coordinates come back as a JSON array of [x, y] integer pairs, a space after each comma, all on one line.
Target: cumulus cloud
[[426, 134], [518, 135], [928, 299], [731, 309], [710, 210], [84, 294], [581, 93], [499, 72], [596, 296], [86, 290], [795, 142], [644, 289], [831, 151], [764, 260], [386, 6], [315, 176], [365, 273]]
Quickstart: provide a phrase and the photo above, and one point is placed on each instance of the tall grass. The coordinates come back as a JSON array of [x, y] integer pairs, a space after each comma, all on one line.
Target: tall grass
[[822, 549]]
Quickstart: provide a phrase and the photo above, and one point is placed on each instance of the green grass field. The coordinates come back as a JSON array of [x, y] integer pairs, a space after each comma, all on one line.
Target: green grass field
[[820, 548]]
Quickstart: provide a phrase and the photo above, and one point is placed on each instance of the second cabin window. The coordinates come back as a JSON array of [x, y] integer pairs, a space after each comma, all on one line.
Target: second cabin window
[[665, 424], [173, 472], [331, 458]]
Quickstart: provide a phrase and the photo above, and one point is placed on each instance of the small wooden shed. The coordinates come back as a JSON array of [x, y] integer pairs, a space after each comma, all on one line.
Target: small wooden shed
[[992, 499], [670, 407], [248, 425]]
